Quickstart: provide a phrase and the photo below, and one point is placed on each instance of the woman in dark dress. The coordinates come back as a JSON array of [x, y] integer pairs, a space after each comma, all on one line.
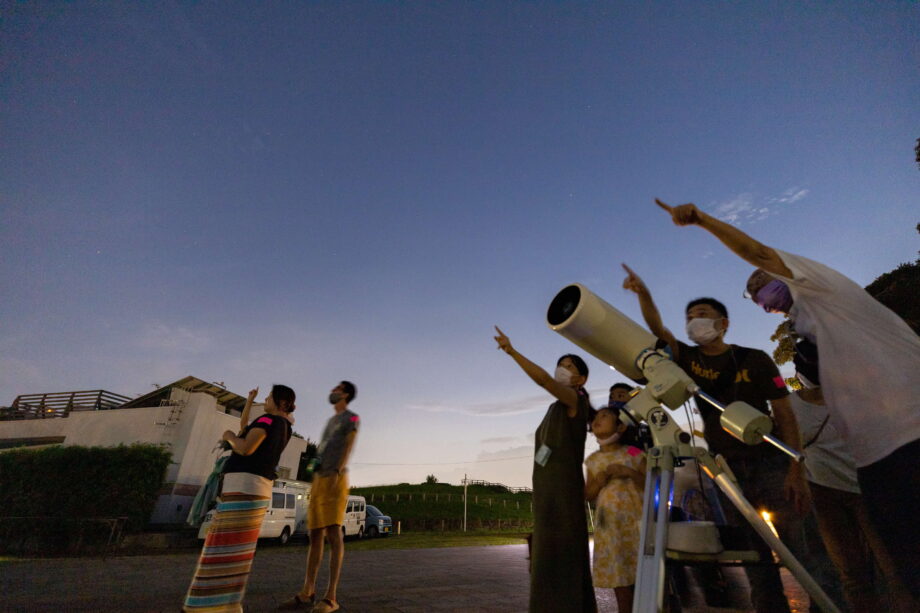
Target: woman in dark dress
[[560, 566]]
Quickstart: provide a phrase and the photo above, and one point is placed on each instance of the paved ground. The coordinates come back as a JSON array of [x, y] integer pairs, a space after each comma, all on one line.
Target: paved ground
[[386, 581]]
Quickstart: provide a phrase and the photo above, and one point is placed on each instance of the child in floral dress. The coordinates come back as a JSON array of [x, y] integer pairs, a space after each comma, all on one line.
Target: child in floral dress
[[616, 479]]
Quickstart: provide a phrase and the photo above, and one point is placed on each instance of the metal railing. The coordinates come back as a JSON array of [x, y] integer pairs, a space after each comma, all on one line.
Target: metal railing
[[60, 404]]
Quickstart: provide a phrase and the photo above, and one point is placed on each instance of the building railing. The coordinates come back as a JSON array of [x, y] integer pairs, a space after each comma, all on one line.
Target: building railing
[[60, 404]]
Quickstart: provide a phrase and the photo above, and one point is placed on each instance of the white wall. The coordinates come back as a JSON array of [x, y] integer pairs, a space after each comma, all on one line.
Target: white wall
[[190, 432]]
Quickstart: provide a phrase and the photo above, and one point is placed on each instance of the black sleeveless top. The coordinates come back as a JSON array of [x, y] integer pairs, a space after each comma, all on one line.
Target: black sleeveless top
[[264, 459]]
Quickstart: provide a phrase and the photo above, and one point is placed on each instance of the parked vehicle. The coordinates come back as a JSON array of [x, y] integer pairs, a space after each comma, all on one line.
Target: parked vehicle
[[354, 517], [285, 517], [376, 523]]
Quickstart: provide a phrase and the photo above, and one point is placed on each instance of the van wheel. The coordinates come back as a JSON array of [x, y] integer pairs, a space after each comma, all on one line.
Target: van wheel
[[361, 532], [372, 532], [344, 534], [285, 536]]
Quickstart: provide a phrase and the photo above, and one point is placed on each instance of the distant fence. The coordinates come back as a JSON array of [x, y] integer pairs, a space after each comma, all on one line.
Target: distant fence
[[455, 524], [439, 497], [501, 486]]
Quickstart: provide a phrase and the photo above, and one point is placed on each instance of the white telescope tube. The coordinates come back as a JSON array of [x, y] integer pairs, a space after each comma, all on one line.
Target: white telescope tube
[[597, 327]]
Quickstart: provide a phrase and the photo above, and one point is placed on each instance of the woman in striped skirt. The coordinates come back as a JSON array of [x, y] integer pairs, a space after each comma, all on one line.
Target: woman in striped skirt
[[223, 569]]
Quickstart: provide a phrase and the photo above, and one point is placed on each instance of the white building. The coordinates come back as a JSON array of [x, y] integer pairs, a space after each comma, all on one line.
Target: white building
[[188, 417]]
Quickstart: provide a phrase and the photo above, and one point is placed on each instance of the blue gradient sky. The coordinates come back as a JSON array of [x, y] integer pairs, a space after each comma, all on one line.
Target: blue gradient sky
[[302, 193]]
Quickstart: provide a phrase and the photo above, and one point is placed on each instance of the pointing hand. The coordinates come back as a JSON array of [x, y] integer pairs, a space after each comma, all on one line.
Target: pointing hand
[[684, 214], [633, 282]]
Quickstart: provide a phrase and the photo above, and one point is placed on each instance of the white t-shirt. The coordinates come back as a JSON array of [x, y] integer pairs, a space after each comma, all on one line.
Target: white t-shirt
[[869, 359], [828, 460]]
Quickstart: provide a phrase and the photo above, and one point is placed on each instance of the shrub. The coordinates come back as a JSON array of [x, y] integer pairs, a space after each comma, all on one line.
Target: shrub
[[83, 482]]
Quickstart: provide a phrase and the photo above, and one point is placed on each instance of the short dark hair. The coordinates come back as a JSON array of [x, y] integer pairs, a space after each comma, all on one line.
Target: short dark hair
[[579, 363], [718, 306], [349, 389], [284, 397], [621, 386]]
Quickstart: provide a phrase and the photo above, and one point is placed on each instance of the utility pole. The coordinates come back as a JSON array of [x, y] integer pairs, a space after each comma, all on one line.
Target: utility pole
[[465, 482]]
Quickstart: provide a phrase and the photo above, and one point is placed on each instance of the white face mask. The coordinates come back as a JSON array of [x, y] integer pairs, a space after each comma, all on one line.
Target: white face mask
[[563, 375], [610, 439], [702, 330]]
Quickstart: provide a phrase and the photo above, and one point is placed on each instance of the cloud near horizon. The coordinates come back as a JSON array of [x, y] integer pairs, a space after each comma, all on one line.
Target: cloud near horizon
[[529, 404]]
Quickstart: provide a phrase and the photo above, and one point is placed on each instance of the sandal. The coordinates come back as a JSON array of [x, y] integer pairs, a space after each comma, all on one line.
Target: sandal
[[298, 604], [325, 606]]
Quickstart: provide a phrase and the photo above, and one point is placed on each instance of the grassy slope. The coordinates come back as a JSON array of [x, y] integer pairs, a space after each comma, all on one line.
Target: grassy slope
[[443, 501]]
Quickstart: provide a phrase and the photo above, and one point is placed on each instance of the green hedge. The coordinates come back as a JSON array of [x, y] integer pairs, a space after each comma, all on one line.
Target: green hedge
[[83, 482]]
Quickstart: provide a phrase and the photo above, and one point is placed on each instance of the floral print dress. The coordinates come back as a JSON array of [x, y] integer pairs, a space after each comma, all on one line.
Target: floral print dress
[[616, 523]]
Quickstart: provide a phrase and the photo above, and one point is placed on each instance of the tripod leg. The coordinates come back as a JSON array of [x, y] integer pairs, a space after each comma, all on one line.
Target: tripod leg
[[653, 534], [733, 492]]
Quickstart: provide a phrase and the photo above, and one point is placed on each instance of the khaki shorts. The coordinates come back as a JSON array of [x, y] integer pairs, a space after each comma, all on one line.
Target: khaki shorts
[[328, 499]]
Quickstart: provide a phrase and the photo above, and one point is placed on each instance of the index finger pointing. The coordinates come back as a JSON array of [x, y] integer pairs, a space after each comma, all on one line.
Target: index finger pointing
[[627, 269], [662, 205], [499, 330]]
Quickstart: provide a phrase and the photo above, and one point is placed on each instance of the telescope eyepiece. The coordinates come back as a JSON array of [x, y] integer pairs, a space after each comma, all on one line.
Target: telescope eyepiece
[[563, 305]]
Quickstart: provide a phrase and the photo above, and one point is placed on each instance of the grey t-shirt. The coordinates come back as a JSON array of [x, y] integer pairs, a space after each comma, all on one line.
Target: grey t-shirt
[[332, 446]]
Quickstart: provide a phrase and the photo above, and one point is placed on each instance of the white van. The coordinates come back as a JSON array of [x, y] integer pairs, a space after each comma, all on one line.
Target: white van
[[355, 516], [286, 515]]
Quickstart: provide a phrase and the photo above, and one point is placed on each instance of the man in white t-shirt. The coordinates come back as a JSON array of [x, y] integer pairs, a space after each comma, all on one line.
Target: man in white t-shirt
[[870, 374]]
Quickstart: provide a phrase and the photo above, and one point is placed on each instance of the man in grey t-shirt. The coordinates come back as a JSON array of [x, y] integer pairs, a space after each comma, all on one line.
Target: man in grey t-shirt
[[336, 442], [328, 500]]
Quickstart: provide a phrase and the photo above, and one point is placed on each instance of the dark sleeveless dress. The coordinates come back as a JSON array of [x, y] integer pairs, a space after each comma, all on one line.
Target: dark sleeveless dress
[[560, 575]]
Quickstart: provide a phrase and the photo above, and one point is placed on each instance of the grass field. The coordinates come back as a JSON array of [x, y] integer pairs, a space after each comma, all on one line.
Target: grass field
[[437, 501], [426, 540]]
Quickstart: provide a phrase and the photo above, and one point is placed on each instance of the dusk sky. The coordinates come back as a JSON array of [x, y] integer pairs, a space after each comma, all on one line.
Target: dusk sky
[[301, 193]]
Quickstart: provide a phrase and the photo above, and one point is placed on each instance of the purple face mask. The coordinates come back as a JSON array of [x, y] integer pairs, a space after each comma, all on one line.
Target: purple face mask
[[774, 297]]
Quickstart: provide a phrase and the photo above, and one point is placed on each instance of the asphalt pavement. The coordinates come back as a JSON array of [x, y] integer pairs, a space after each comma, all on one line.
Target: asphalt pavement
[[484, 579]]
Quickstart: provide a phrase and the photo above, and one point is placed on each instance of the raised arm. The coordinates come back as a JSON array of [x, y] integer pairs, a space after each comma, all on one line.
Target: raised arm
[[244, 416], [748, 249], [567, 395], [650, 313]]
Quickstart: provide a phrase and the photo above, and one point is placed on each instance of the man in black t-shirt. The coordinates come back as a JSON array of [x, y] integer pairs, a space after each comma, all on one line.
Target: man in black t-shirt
[[737, 373], [768, 479]]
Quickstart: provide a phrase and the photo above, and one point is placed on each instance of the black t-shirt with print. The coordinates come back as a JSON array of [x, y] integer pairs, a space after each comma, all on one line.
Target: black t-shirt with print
[[265, 458], [741, 373]]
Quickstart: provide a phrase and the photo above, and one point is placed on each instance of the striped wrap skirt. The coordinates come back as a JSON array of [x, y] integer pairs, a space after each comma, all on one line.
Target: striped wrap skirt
[[223, 569]]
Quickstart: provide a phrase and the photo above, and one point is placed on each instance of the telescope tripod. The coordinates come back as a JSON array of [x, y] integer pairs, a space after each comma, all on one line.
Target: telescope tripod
[[671, 445]]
